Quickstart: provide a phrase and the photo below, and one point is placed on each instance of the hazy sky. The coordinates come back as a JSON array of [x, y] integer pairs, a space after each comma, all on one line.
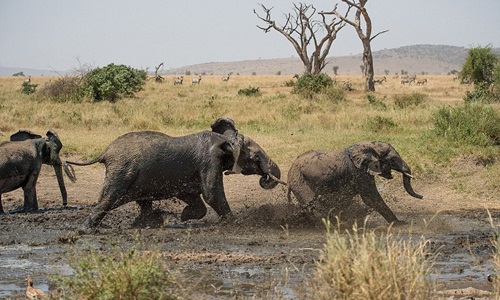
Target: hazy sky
[[60, 34]]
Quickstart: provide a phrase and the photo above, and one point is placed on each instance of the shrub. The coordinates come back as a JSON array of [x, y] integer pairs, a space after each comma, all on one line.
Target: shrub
[[28, 88], [362, 264], [250, 91], [379, 123], [113, 82], [63, 89], [375, 103], [407, 100], [310, 84], [475, 124], [131, 275], [335, 94]]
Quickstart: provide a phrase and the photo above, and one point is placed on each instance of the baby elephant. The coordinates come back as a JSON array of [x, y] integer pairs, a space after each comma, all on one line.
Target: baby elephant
[[329, 180], [21, 159]]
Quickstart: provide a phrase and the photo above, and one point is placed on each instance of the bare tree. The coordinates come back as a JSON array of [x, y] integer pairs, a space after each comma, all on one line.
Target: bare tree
[[302, 31], [158, 78], [364, 34]]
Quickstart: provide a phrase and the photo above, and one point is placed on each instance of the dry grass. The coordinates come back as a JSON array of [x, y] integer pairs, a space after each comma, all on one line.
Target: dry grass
[[362, 264], [284, 124]]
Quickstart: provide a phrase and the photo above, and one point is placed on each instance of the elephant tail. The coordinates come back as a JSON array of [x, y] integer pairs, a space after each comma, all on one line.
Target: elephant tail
[[70, 172], [87, 163]]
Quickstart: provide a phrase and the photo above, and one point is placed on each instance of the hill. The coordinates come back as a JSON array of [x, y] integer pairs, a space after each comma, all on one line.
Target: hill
[[416, 59]]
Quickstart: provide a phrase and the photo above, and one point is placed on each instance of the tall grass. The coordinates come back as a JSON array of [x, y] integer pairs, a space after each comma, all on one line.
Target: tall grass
[[133, 274], [362, 264]]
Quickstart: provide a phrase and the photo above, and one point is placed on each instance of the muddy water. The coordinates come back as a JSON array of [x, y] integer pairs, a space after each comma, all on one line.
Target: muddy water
[[224, 262]]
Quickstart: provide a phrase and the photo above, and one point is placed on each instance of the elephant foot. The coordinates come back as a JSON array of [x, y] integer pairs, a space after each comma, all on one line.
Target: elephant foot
[[152, 220], [191, 212], [228, 218], [398, 223]]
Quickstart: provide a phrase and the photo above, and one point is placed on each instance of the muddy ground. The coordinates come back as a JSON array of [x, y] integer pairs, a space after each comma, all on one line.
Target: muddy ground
[[269, 252]]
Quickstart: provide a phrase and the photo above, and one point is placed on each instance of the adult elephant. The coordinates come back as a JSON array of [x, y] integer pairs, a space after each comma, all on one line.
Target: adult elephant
[[145, 166], [329, 180], [21, 159]]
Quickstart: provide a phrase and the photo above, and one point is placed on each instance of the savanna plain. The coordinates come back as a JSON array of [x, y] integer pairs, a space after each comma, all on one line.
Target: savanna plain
[[270, 251]]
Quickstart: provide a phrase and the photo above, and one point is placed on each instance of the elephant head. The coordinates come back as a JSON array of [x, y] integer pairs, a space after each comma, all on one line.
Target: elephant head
[[254, 160], [50, 155], [249, 157], [378, 158]]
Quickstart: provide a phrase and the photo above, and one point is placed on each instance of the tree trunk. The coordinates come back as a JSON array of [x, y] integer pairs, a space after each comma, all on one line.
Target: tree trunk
[[368, 62]]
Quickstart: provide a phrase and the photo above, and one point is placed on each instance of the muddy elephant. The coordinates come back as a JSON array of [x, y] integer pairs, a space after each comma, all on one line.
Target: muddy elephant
[[21, 160], [327, 181], [145, 166]]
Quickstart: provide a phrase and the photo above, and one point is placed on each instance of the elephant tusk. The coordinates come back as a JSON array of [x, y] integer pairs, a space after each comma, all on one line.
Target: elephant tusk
[[276, 179], [409, 175]]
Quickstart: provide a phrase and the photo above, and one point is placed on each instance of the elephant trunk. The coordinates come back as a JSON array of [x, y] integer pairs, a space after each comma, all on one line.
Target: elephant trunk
[[271, 177], [405, 170], [60, 181]]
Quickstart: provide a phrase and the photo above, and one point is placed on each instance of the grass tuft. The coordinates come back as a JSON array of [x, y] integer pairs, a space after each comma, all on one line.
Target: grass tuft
[[362, 264]]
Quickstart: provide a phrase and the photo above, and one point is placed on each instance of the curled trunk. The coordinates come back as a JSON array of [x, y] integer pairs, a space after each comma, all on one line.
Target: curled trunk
[[405, 170], [267, 181]]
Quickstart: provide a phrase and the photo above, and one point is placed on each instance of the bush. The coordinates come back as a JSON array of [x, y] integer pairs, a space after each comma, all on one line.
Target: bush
[[28, 88], [378, 123], [113, 82], [362, 264], [131, 275], [335, 94], [474, 124], [250, 91], [406, 100], [310, 84], [374, 102], [63, 89]]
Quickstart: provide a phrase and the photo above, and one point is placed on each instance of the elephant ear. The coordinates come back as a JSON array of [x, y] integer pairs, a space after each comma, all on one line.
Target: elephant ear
[[365, 158], [23, 135], [221, 125], [54, 146]]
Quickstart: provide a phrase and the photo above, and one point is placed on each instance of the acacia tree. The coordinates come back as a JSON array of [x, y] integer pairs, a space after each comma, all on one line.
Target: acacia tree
[[302, 30], [365, 36]]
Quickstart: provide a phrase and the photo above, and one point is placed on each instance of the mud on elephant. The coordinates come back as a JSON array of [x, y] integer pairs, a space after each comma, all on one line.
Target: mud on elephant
[[327, 181], [146, 166], [21, 159]]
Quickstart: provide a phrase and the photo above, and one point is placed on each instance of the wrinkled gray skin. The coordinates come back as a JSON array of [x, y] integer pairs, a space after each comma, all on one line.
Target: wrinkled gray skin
[[331, 179], [21, 159], [146, 166]]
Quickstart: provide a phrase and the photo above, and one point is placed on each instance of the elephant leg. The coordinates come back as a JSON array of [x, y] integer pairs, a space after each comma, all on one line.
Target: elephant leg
[[112, 196], [305, 196], [29, 189], [213, 193], [196, 208], [371, 197], [146, 208], [1, 206]]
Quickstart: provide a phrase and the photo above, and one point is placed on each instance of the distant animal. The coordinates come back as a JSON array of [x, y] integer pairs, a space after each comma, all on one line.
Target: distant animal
[[31, 292], [226, 78], [21, 160], [196, 80], [296, 76], [422, 81], [27, 80], [327, 181], [178, 80], [146, 166], [380, 80]]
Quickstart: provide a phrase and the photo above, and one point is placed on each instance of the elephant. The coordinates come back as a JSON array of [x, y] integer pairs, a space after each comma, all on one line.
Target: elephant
[[21, 160], [148, 165], [327, 181]]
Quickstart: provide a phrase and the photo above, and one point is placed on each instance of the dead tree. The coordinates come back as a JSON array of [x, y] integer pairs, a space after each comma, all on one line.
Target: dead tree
[[302, 31], [158, 78], [364, 34]]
